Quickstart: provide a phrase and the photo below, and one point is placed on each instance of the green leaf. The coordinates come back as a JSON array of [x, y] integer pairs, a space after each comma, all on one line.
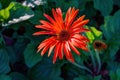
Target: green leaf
[[4, 62], [111, 31], [93, 33], [116, 21], [5, 13], [117, 2], [38, 15], [118, 73], [96, 32], [104, 28], [5, 3], [87, 77], [73, 3], [79, 59], [12, 55], [5, 77], [65, 4], [115, 75], [97, 78], [105, 6], [83, 57], [88, 9], [46, 70], [30, 55], [82, 78], [11, 5], [20, 46], [19, 8], [0, 5], [17, 76]]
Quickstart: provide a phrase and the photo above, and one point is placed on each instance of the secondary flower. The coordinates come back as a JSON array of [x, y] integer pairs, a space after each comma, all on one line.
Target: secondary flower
[[99, 45], [65, 34]]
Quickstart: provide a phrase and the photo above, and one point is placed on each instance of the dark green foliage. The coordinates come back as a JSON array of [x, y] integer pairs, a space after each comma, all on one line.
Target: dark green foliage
[[5, 77], [17, 76], [19, 59], [29, 55], [4, 61], [53, 71], [111, 32], [105, 6]]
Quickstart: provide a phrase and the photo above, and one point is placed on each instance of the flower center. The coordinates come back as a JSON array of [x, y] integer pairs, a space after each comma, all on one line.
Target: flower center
[[98, 44], [63, 35]]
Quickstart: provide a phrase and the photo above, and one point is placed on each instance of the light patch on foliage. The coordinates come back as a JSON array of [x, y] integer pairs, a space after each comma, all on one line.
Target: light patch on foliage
[[16, 20], [33, 3]]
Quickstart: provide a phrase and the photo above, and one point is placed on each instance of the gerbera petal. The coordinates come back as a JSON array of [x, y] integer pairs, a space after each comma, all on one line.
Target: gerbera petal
[[59, 13], [79, 44], [44, 43], [67, 52], [56, 52], [57, 18], [84, 48], [80, 37], [79, 30], [49, 25], [78, 20], [50, 50], [52, 45], [72, 17], [46, 47], [60, 19], [67, 16], [54, 14], [71, 57], [73, 48], [60, 52], [43, 33], [43, 27], [49, 18], [81, 24], [53, 21]]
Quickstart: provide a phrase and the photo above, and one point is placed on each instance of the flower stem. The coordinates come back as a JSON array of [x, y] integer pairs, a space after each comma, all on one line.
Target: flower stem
[[81, 66], [99, 61], [93, 59]]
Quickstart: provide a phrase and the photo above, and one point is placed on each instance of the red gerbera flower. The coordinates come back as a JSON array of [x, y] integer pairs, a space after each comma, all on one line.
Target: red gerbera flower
[[65, 34]]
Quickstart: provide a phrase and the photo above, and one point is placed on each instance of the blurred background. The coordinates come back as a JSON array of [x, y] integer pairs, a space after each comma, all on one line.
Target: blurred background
[[18, 57]]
